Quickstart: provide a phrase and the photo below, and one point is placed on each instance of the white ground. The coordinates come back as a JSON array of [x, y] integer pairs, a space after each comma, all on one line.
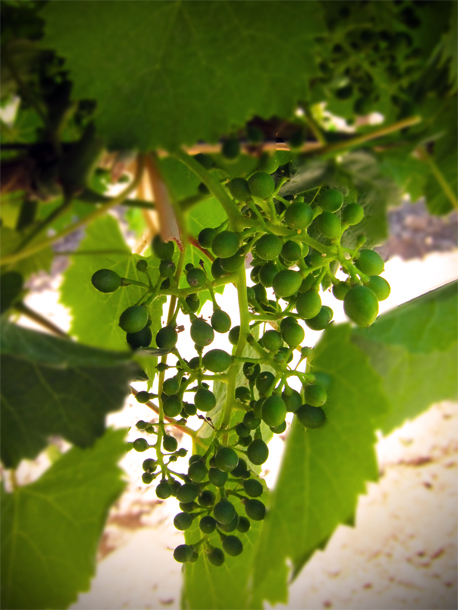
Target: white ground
[[402, 553]]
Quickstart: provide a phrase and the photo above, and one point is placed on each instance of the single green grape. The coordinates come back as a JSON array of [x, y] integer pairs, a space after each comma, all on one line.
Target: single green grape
[[163, 490], [169, 443], [225, 244], [286, 283], [172, 405], [279, 429], [251, 370], [217, 477], [229, 527], [142, 397], [202, 333], [308, 304], [321, 321], [197, 471], [188, 493], [273, 411], [226, 459], [205, 160], [361, 305], [268, 247], [238, 188], [244, 525], [298, 216], [183, 553], [292, 400], [134, 319], [204, 400], [167, 268], [232, 545], [291, 251], [264, 382], [370, 262], [216, 269], [352, 214], [339, 290], [149, 465], [206, 498], [217, 361], [293, 335], [311, 417], [106, 280], [140, 444], [206, 237], [379, 286], [224, 511], [141, 339], [272, 340], [207, 525], [262, 185], [167, 338], [171, 385], [329, 225], [257, 452], [241, 470], [234, 262], [242, 393], [147, 478], [231, 149], [182, 521], [196, 277], [216, 557], [268, 163], [255, 509], [315, 395], [330, 200], [163, 250], [251, 421], [253, 488]]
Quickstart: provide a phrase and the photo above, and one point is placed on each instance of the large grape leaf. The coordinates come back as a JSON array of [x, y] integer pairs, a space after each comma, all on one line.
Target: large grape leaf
[[414, 349], [191, 70], [53, 386], [95, 316], [51, 528], [323, 471], [9, 242]]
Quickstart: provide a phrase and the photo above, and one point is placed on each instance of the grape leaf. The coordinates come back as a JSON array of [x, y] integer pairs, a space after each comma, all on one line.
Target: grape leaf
[[39, 261], [51, 528], [328, 467], [414, 350], [186, 79], [53, 386], [95, 316], [405, 170]]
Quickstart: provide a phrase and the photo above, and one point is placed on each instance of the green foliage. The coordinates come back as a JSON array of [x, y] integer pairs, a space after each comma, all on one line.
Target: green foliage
[[70, 388], [51, 527]]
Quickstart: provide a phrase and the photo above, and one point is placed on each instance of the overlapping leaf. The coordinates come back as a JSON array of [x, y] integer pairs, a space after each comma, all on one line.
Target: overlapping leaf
[[192, 70], [51, 528], [53, 386]]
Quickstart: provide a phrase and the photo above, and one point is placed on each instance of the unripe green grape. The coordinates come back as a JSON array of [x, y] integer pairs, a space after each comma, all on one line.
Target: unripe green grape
[[293, 335], [231, 149], [197, 472], [260, 293], [196, 277], [361, 305], [234, 262], [167, 338], [292, 400], [287, 321], [216, 269], [149, 465], [329, 225], [169, 443], [352, 214], [244, 525], [286, 283], [140, 444], [255, 510], [298, 216], [320, 321], [311, 417], [262, 185], [251, 370], [253, 488], [271, 340], [229, 527], [339, 290], [204, 400], [264, 382], [163, 250], [217, 477], [379, 286], [315, 395], [279, 429], [165, 284], [167, 268], [134, 319], [206, 237], [147, 478], [172, 406], [226, 459], [142, 397], [216, 557], [241, 470], [330, 200], [370, 262], [187, 507], [268, 247], [268, 163], [171, 385], [273, 411], [225, 244], [182, 521], [224, 511], [254, 134], [188, 493], [234, 334], [308, 304], [192, 304], [205, 160], [163, 490], [206, 498], [250, 294], [232, 545], [141, 339], [251, 421], [238, 188], [254, 273], [207, 525], [242, 393], [106, 281], [141, 265], [291, 251], [258, 452], [202, 333], [183, 553]]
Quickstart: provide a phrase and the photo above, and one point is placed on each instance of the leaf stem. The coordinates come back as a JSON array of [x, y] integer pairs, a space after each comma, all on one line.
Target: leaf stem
[[33, 315]]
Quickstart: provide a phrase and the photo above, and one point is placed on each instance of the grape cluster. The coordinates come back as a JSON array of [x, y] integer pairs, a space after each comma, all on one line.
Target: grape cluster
[[287, 259]]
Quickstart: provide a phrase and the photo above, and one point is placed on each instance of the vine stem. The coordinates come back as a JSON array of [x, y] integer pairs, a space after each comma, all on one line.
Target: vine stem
[[32, 249], [367, 137], [244, 329], [33, 315], [424, 156]]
